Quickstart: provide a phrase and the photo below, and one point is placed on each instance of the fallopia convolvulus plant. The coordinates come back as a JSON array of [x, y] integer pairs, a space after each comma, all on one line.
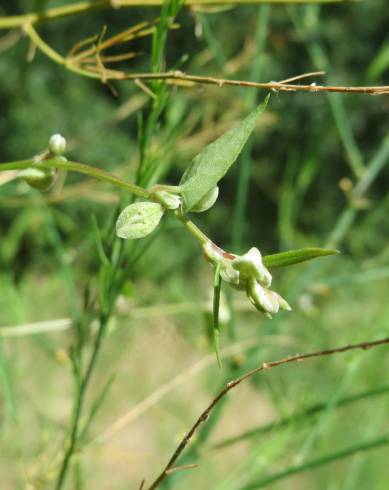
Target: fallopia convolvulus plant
[[197, 192]]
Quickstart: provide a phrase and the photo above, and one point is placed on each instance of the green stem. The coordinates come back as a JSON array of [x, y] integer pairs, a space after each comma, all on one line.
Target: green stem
[[79, 404], [20, 165], [375, 166], [192, 228], [82, 168], [104, 176], [99, 175], [381, 441], [53, 55]]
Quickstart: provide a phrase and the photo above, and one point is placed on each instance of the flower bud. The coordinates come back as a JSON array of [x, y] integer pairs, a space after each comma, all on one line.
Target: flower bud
[[57, 144], [250, 264], [40, 179], [265, 300], [229, 274], [260, 298], [167, 199], [284, 305]]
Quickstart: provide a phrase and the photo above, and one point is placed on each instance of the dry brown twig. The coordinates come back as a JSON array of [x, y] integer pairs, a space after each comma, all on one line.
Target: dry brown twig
[[233, 384], [74, 63], [282, 86]]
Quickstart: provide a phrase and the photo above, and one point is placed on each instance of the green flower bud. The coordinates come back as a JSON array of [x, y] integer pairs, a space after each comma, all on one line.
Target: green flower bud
[[40, 179]]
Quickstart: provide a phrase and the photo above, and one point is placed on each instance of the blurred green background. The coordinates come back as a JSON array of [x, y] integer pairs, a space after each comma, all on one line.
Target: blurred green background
[[292, 187]]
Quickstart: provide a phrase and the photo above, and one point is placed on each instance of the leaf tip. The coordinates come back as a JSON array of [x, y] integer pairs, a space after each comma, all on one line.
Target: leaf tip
[[330, 251]]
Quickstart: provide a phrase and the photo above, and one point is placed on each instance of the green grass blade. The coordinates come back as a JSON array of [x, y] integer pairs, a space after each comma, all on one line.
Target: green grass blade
[[96, 406], [8, 392], [246, 161], [300, 417], [216, 305], [99, 242], [336, 456]]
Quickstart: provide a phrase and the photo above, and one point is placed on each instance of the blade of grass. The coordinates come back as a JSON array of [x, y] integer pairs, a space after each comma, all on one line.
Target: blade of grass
[[302, 416], [216, 305], [8, 391], [336, 456], [245, 162], [96, 407], [321, 61]]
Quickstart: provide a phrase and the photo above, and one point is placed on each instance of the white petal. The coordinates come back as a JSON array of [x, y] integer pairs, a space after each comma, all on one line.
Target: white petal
[[250, 264]]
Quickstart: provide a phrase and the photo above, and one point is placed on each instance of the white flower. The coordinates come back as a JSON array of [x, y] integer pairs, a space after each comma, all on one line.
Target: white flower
[[247, 272], [265, 300], [250, 264], [229, 274]]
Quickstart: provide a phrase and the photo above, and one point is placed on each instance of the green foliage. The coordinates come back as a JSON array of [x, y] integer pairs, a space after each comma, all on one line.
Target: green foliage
[[292, 257], [212, 163], [314, 175], [138, 220], [207, 201]]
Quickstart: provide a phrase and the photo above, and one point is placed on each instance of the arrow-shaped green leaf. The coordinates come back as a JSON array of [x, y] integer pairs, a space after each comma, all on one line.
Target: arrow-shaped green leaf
[[213, 162], [291, 257]]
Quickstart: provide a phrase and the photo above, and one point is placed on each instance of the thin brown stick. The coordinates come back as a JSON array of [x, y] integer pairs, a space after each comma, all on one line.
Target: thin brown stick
[[232, 384], [180, 468], [304, 75], [178, 76], [274, 86]]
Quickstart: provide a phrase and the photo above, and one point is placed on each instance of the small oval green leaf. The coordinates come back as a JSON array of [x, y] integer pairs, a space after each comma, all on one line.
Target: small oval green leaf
[[138, 220], [213, 162], [207, 201], [292, 257]]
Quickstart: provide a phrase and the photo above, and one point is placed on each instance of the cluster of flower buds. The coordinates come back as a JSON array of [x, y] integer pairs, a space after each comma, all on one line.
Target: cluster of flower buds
[[43, 179], [248, 273]]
